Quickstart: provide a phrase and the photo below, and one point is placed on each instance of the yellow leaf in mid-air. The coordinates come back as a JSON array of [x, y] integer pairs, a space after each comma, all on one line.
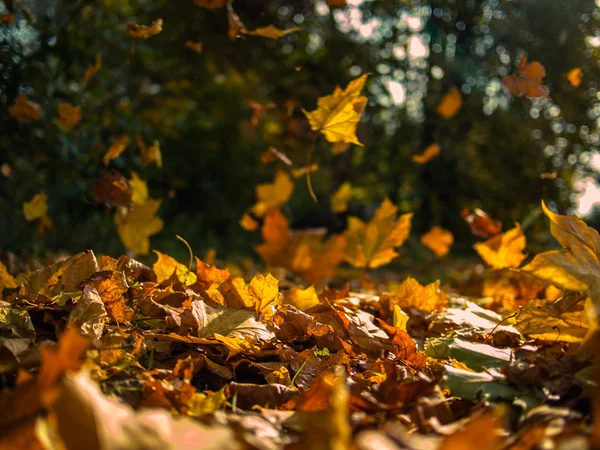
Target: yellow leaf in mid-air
[[24, 109], [438, 240], [135, 226], [165, 267], [272, 195], [412, 294], [428, 154], [248, 223], [372, 244], [271, 32], [150, 154], [139, 188], [37, 207], [338, 114], [575, 268], [302, 299], [92, 69], [143, 31], [504, 250], [70, 115], [574, 76], [450, 103], [116, 148], [339, 200], [6, 279]]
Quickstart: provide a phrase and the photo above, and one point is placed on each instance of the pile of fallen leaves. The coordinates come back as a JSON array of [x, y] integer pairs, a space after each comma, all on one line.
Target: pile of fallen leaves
[[104, 353]]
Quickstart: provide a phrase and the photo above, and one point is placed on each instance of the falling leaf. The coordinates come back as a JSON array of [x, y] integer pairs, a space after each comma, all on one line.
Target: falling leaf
[[139, 194], [428, 154], [137, 225], [527, 80], [481, 224], [577, 267], [339, 200], [411, 294], [271, 196], [150, 154], [450, 103], [211, 4], [6, 279], [166, 267], [372, 244], [438, 240], [24, 109], [271, 32], [70, 115], [548, 175], [143, 31], [272, 154], [248, 223], [117, 147], [574, 76], [504, 250], [37, 207], [340, 147], [113, 189], [297, 173], [195, 46], [338, 114], [92, 70], [258, 110], [302, 299]]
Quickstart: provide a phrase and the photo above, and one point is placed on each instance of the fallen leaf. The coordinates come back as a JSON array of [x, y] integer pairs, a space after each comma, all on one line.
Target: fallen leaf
[[37, 207], [575, 76], [166, 267], [211, 4], [438, 240], [480, 433], [338, 114], [117, 147], [24, 109], [92, 69], [339, 200], [302, 299], [195, 46], [527, 80], [6, 279], [248, 223], [405, 348], [450, 103], [428, 154], [113, 189], [89, 314], [143, 31], [271, 32], [208, 274], [411, 294], [504, 250], [135, 226], [372, 244], [400, 318], [70, 115], [481, 224], [271, 196]]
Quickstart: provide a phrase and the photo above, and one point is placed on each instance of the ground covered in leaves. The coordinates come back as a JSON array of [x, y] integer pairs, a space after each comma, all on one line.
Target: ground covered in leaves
[[105, 353]]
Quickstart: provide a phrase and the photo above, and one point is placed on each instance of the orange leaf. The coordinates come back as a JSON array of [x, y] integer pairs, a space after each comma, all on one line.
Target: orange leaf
[[505, 250], [143, 31], [574, 76], [70, 115], [92, 69], [406, 348], [208, 274], [113, 189], [248, 223], [117, 147], [270, 32], [450, 103], [428, 154], [195, 46], [481, 224], [24, 109], [527, 80], [438, 240]]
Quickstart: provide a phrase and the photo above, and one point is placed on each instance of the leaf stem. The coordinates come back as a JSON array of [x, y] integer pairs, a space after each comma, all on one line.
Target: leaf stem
[[308, 171], [189, 249]]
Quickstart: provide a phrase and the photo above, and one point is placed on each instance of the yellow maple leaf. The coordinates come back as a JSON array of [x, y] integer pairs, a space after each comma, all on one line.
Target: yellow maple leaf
[[575, 268], [450, 103], [412, 294], [339, 200], [24, 109], [6, 279], [143, 31], [372, 244], [37, 207], [139, 188], [272, 195], [116, 148], [165, 267], [428, 154], [135, 226], [438, 240], [92, 69], [504, 250], [69, 115], [261, 294], [302, 299], [338, 114], [271, 32]]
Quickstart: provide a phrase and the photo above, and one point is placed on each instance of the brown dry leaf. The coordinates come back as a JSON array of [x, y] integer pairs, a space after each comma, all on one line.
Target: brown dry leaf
[[438, 240], [527, 80], [248, 223], [37, 207], [450, 103], [24, 109], [340, 198], [575, 76], [271, 196], [338, 114], [272, 154], [6, 279], [297, 173], [116, 148], [166, 267], [69, 115], [113, 189], [211, 4], [92, 69], [150, 154], [504, 250], [209, 274], [110, 287], [195, 46], [478, 434], [137, 225], [412, 294], [302, 299], [271, 32], [143, 31], [372, 244], [428, 154], [481, 224], [406, 348]]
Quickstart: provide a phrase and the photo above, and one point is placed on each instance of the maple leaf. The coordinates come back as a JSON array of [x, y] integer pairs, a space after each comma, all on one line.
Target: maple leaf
[[527, 80], [372, 244], [406, 348], [411, 294], [116, 148], [195, 46], [450, 103], [24, 109], [338, 114], [272, 195], [302, 299], [577, 267], [113, 189], [428, 154], [211, 4], [438, 240], [70, 115], [208, 274], [92, 70], [271, 32], [139, 194], [575, 76], [150, 154], [143, 31], [504, 250], [137, 225], [37, 207], [166, 267], [481, 224], [339, 200]]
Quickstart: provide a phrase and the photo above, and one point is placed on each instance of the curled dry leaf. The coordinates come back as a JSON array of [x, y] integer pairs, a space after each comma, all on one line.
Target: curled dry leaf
[[69, 115], [481, 224], [405, 348], [450, 103], [504, 250], [438, 240], [24, 109], [113, 189], [428, 154], [527, 80], [143, 31]]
